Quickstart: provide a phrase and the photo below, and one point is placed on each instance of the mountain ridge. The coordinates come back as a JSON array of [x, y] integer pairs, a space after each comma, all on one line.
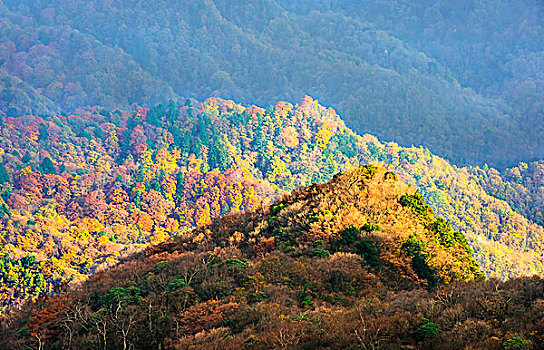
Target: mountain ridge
[[373, 76], [79, 192], [277, 256]]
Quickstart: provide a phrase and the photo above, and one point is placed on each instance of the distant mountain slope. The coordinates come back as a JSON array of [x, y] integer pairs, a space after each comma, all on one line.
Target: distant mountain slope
[[521, 186], [494, 47], [116, 53], [362, 234], [79, 192]]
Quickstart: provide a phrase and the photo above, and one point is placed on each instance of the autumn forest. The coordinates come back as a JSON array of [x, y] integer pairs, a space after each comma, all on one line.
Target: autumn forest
[[271, 175]]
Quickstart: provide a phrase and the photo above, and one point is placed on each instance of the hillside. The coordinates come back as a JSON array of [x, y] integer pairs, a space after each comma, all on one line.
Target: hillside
[[79, 192], [371, 66], [316, 253], [521, 186], [493, 47]]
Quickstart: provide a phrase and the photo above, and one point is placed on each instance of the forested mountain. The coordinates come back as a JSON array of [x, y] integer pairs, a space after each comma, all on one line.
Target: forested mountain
[[160, 188], [521, 186], [79, 192], [393, 69], [316, 253], [358, 262], [491, 47]]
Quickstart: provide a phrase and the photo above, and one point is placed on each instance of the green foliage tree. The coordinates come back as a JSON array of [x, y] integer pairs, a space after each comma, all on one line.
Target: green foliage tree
[[44, 133], [121, 295], [173, 112], [517, 343], [47, 166], [4, 176], [415, 248], [427, 330], [370, 251], [349, 235], [417, 203]]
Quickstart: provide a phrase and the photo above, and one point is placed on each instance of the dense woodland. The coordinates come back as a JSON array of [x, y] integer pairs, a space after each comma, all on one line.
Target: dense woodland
[[274, 278], [360, 262], [462, 79], [521, 186], [79, 192], [138, 212]]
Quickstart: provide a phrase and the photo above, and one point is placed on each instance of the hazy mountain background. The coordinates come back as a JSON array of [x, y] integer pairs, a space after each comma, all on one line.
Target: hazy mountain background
[[461, 78]]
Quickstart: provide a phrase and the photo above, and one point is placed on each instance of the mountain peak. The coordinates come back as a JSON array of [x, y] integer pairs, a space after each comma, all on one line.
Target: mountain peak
[[323, 247], [367, 211]]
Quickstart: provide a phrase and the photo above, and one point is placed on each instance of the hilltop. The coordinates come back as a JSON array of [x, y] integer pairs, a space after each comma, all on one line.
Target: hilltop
[[317, 253], [79, 192]]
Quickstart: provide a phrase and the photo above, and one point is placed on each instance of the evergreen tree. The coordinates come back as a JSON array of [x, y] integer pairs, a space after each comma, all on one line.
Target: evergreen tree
[[4, 177], [47, 166], [4, 210], [99, 133], [202, 130], [186, 144], [180, 189], [26, 158], [217, 156], [44, 133], [259, 145], [173, 112], [155, 114]]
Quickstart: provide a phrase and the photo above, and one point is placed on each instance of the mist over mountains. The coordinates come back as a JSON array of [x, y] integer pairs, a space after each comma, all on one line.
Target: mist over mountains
[[462, 79]]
